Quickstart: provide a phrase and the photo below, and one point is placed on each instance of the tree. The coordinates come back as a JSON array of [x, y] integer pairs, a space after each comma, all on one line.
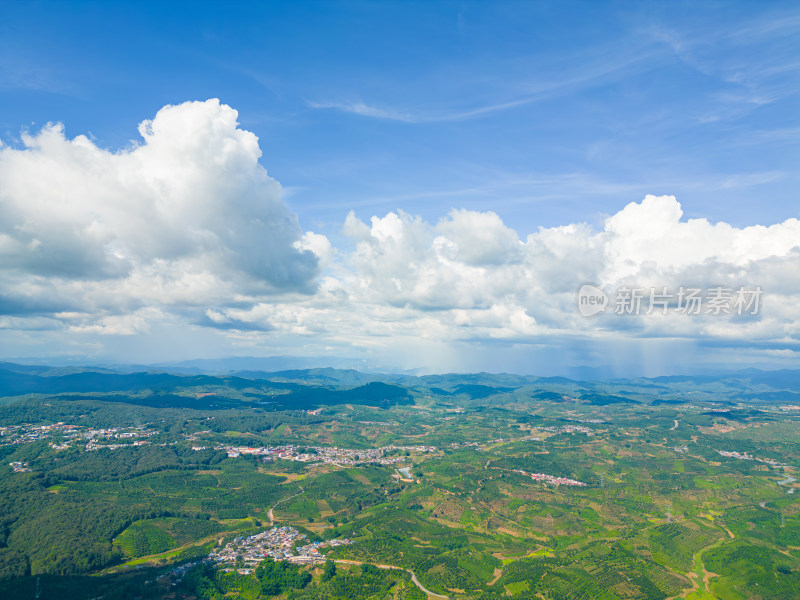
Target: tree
[[329, 572]]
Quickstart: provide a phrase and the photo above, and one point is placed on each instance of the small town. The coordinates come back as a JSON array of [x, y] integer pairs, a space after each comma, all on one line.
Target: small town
[[69, 434], [325, 454], [25, 433], [98, 439]]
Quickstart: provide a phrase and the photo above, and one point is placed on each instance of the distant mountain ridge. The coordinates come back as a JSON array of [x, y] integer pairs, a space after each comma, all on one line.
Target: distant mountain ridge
[[307, 388]]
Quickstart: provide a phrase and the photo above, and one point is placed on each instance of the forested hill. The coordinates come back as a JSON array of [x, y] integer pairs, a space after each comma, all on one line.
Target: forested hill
[[310, 388], [194, 391]]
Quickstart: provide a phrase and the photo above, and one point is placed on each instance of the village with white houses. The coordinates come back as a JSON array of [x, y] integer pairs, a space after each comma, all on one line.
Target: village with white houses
[[325, 454], [68, 434], [24, 434], [746, 456], [244, 554], [278, 543], [551, 479]]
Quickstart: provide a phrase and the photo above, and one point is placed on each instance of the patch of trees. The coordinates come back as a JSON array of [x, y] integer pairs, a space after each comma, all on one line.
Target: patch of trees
[[278, 577], [371, 582], [56, 533], [329, 570], [124, 463]]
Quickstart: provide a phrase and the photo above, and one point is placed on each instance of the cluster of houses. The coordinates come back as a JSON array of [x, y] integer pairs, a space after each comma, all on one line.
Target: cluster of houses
[[96, 438], [278, 543], [119, 433], [746, 456], [324, 454], [93, 445], [465, 444], [570, 429], [23, 434], [549, 478], [19, 467]]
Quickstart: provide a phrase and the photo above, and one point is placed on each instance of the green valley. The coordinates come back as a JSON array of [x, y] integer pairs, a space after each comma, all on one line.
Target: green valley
[[477, 486]]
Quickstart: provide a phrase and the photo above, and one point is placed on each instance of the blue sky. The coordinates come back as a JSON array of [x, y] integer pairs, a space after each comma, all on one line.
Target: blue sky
[[548, 114]]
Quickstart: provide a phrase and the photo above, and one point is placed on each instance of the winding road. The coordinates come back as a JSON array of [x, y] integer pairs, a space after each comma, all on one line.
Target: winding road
[[409, 571]]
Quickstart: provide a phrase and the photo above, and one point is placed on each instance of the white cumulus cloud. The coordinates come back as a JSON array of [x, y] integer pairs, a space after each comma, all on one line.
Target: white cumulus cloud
[[483, 282], [187, 227], [187, 216]]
